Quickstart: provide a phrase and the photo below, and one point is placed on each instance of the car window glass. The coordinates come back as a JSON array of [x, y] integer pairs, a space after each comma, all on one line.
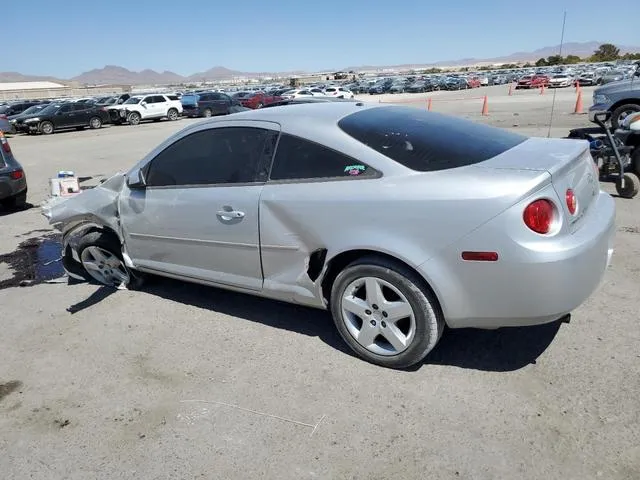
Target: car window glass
[[80, 107], [426, 141], [160, 99], [65, 108], [297, 158], [148, 100], [213, 156]]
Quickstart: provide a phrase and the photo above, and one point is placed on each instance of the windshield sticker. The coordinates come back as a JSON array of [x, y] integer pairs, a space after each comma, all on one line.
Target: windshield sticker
[[354, 169]]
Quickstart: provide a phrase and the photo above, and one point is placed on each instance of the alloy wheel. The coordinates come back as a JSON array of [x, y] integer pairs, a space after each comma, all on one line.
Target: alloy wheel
[[378, 316], [104, 266]]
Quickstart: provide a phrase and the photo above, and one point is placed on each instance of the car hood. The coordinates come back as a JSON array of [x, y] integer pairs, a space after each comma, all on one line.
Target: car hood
[[622, 85]]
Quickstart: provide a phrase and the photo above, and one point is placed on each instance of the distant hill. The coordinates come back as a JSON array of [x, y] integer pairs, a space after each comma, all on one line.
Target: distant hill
[[113, 74]]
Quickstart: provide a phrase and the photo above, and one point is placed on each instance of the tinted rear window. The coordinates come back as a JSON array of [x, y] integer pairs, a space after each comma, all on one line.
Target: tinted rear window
[[427, 141]]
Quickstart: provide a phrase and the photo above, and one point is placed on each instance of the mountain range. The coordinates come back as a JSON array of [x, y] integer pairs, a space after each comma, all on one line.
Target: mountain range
[[113, 74]]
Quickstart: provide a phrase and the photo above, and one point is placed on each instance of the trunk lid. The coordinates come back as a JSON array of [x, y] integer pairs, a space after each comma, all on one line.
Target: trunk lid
[[569, 163]]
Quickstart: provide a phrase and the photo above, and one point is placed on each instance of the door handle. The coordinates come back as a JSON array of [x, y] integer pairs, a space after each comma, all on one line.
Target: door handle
[[230, 214]]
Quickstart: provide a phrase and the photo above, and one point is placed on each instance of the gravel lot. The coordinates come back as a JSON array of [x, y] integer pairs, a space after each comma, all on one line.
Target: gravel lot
[[182, 381]]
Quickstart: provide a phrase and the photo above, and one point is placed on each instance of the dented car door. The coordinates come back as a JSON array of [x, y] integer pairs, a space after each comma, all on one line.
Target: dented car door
[[196, 216]]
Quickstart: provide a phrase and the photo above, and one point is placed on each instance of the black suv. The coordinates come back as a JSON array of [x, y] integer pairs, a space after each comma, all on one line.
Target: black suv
[[61, 116], [207, 104]]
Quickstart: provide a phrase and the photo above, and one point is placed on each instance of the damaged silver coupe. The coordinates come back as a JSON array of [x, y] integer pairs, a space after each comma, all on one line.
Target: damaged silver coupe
[[397, 220]]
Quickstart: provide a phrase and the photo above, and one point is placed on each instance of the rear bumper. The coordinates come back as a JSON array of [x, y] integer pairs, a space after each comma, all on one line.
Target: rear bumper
[[532, 283], [191, 112], [10, 188]]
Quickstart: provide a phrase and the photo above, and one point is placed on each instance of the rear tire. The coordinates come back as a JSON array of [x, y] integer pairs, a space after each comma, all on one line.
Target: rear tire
[[630, 188], [172, 114], [207, 113], [95, 123], [399, 290]]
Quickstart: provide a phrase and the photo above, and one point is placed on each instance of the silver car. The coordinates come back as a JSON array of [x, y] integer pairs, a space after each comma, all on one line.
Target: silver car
[[13, 181], [398, 220]]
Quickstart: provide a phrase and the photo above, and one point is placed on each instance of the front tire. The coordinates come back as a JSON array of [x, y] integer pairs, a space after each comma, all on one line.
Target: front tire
[[46, 128], [620, 113], [134, 118], [101, 258], [385, 312]]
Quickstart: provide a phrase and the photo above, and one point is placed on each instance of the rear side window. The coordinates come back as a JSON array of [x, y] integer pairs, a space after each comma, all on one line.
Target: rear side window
[[426, 141], [300, 159]]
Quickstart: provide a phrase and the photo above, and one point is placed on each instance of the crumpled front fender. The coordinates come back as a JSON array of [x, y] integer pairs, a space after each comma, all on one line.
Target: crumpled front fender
[[97, 206]]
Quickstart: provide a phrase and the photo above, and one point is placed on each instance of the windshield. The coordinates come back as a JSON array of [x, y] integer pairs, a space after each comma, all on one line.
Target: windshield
[[133, 101], [49, 109], [34, 109]]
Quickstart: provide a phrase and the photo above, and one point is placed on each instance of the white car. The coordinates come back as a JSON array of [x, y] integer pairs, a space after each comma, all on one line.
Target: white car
[[297, 93], [560, 80], [150, 107], [338, 92]]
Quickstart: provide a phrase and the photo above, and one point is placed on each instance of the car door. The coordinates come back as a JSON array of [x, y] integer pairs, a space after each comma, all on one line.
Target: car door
[[219, 105], [197, 216], [149, 106], [65, 116], [81, 113]]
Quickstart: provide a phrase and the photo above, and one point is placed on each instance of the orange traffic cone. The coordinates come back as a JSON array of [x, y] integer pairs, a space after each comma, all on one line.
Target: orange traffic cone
[[485, 107], [429, 104], [510, 89], [578, 108], [542, 89]]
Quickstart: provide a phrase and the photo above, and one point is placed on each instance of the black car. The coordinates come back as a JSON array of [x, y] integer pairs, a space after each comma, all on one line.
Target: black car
[[62, 116], [380, 87], [301, 100], [207, 104], [17, 107], [15, 120]]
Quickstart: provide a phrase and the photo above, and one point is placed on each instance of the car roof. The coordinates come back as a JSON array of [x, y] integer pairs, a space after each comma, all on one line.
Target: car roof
[[289, 116]]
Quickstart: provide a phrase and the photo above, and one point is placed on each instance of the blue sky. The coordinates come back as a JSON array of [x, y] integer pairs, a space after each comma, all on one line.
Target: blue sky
[[66, 37]]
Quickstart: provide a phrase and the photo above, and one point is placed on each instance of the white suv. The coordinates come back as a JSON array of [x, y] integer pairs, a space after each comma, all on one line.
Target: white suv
[[339, 92], [151, 107]]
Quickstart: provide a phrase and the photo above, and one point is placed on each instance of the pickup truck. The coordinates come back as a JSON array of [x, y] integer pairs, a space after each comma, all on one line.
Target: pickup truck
[[620, 98], [149, 107]]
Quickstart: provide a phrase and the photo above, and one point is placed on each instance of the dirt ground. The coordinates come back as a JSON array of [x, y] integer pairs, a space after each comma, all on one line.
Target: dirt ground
[[180, 381]]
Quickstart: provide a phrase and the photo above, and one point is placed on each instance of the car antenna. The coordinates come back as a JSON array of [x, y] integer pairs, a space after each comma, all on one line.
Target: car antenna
[[555, 90]]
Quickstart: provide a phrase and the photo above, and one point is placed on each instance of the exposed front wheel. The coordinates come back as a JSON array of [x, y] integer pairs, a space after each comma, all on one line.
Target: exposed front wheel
[[385, 313], [134, 118], [622, 112], [46, 128]]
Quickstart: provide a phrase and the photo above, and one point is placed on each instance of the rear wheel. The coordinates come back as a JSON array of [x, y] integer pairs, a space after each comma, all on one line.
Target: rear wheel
[[207, 113], [630, 188], [385, 313], [259, 105], [95, 123], [46, 128], [172, 114]]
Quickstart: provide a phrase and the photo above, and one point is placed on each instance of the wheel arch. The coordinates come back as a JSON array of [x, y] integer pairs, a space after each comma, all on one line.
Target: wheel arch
[[340, 261], [619, 103]]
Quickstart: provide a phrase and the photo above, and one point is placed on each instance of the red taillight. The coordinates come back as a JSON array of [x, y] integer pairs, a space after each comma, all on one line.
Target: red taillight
[[17, 175], [480, 256], [538, 216], [572, 203], [5, 144]]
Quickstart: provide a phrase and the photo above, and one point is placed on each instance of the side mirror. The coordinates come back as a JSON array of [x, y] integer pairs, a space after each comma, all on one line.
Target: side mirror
[[144, 104], [136, 180]]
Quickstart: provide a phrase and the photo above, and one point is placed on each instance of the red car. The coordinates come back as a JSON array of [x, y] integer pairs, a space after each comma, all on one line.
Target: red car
[[533, 81], [257, 99], [474, 82]]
